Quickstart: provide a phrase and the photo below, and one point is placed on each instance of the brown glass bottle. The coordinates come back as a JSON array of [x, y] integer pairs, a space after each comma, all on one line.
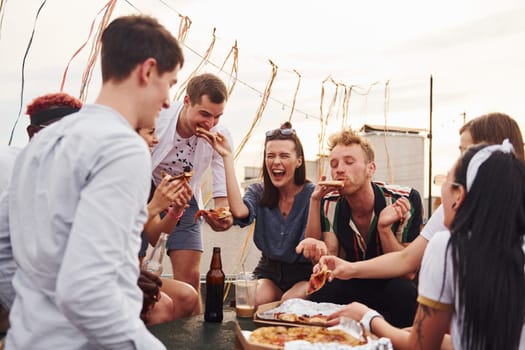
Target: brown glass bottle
[[214, 288]]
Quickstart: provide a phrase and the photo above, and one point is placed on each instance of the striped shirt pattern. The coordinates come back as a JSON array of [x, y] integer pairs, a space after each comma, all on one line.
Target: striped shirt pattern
[[336, 217]]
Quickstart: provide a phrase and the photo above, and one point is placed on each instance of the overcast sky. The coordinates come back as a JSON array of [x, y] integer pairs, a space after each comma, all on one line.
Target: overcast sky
[[473, 49]]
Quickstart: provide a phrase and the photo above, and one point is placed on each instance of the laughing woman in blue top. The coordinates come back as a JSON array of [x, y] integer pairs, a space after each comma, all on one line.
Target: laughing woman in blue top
[[279, 206]]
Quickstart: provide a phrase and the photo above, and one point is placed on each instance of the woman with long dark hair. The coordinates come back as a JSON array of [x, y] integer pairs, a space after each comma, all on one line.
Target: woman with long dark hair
[[484, 205], [472, 277], [279, 207]]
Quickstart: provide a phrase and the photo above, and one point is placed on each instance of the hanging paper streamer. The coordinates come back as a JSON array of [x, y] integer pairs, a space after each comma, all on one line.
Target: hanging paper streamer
[[260, 110]]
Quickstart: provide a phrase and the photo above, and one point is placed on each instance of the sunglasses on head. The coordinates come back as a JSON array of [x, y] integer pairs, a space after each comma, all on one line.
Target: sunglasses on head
[[275, 132]]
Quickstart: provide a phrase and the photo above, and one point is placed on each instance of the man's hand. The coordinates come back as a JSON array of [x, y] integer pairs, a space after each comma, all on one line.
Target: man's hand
[[393, 213], [218, 224], [312, 249], [322, 190]]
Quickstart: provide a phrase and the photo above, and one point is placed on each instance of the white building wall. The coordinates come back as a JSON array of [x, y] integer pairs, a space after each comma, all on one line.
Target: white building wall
[[400, 159]]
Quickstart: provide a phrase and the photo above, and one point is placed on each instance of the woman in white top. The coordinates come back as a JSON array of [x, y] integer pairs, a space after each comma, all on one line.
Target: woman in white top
[[472, 279]]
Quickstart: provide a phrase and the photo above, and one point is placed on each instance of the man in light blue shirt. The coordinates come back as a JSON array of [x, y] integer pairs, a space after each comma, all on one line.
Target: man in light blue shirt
[[76, 204]]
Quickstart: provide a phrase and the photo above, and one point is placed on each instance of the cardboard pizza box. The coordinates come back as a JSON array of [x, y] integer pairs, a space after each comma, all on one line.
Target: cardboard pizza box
[[257, 319]]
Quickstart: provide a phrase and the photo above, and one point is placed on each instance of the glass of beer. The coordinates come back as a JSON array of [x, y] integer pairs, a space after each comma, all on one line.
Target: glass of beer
[[245, 288]]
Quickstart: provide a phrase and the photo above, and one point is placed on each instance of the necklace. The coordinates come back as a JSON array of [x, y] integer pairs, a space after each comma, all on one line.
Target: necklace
[[286, 204], [286, 207]]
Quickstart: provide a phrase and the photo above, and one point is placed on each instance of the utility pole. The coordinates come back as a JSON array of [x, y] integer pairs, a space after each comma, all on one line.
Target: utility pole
[[464, 115]]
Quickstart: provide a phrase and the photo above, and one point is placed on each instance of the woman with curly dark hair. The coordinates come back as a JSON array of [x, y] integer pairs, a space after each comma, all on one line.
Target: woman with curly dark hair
[[156, 306]]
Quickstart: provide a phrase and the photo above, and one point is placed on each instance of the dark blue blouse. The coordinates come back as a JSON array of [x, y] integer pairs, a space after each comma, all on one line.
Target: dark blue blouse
[[276, 236]]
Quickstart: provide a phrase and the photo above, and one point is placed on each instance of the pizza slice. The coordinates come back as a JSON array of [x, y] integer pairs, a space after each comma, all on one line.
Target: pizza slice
[[218, 213], [333, 183], [187, 174], [318, 319], [317, 280], [210, 134], [288, 317]]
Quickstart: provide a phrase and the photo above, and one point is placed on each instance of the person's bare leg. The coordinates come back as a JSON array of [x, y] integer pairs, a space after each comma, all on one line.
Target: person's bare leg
[[267, 292], [298, 290], [162, 311], [186, 268], [185, 298]]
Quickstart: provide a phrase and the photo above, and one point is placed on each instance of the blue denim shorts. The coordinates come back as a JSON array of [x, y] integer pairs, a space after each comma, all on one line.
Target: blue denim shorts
[[187, 235], [283, 274]]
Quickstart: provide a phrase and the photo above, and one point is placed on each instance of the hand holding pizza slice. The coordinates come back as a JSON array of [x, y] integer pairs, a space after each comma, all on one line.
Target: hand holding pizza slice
[[332, 183], [216, 140], [216, 214], [186, 175], [317, 280], [201, 131]]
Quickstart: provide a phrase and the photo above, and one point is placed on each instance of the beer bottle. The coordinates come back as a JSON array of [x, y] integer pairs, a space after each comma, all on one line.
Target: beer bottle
[[154, 263], [214, 288]]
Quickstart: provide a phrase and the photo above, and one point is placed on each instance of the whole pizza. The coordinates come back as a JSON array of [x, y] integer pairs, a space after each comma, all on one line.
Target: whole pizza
[[279, 335]]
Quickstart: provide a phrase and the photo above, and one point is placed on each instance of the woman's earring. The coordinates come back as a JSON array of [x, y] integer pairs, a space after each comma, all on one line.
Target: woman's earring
[[453, 205]]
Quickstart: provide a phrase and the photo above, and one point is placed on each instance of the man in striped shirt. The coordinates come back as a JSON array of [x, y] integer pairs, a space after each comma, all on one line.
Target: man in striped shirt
[[359, 221]]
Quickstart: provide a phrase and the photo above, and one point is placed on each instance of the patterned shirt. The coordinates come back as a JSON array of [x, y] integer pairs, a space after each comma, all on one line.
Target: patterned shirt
[[180, 157], [336, 216]]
